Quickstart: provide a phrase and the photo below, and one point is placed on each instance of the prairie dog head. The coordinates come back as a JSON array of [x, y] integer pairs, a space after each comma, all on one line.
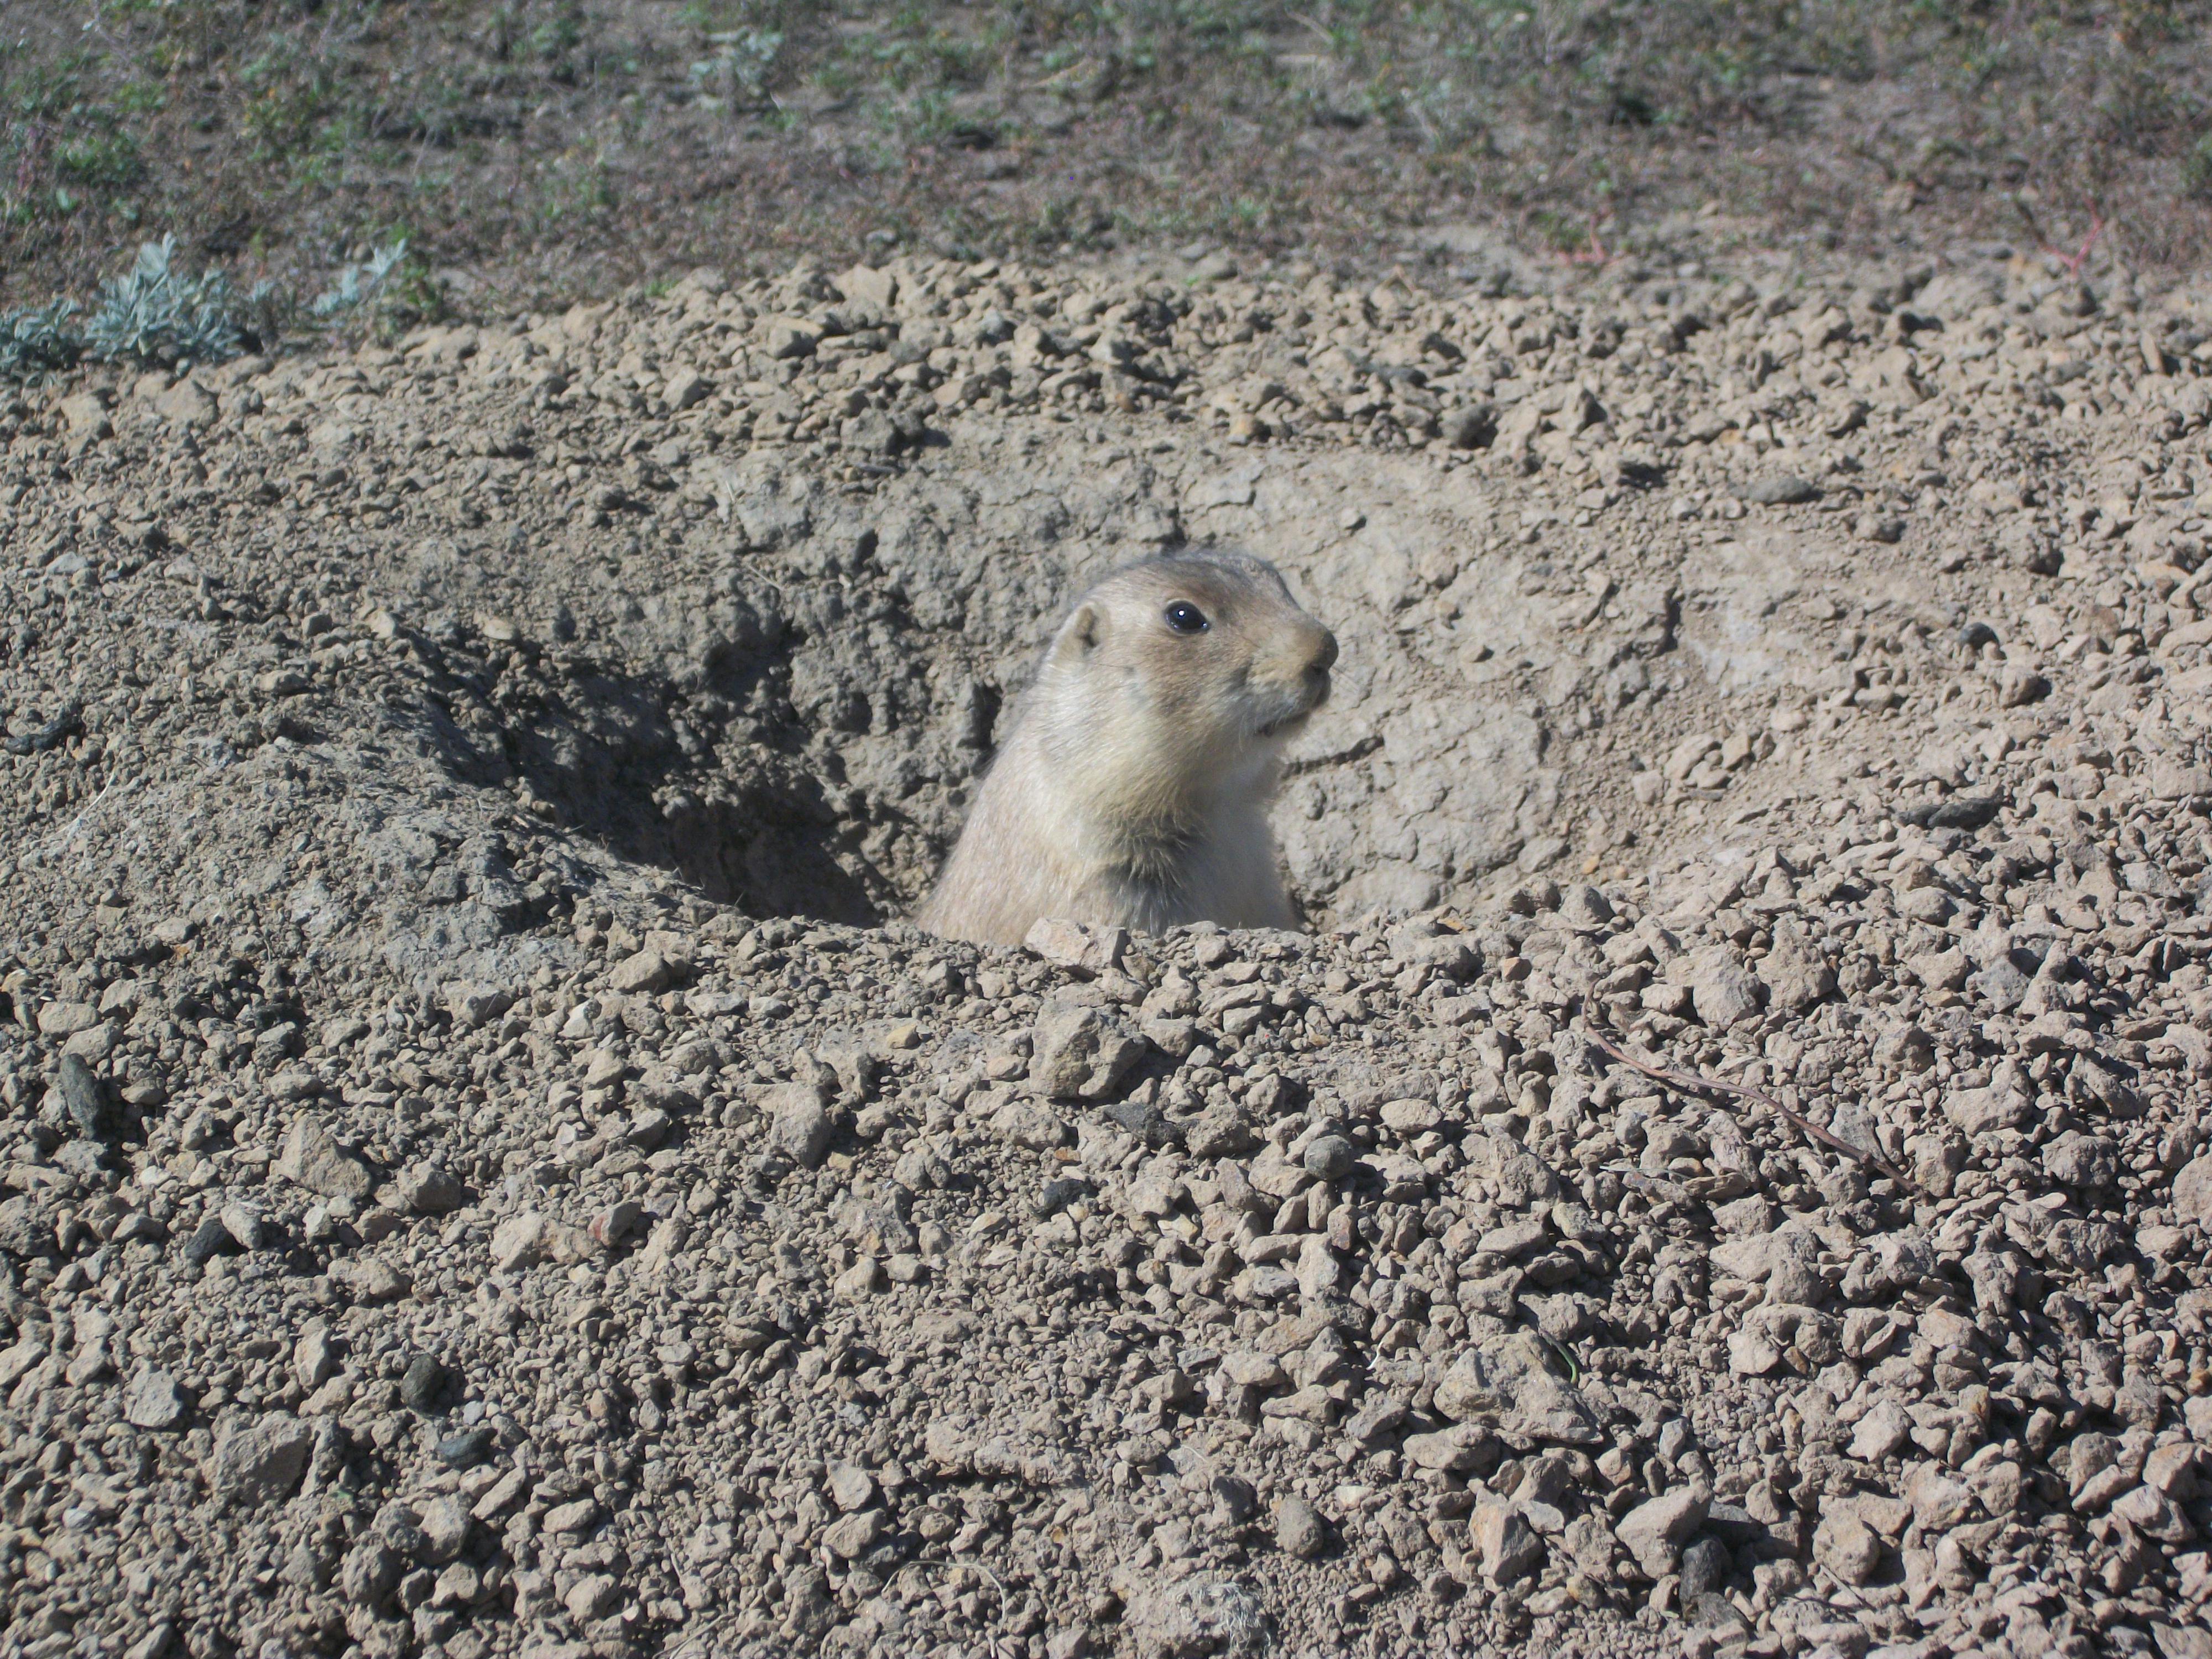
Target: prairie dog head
[[1173, 684]]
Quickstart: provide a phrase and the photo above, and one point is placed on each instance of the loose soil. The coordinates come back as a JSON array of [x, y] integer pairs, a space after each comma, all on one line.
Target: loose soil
[[488, 1170]]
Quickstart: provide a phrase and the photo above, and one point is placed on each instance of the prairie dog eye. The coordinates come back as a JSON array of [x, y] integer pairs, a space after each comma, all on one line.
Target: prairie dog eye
[[1185, 617]]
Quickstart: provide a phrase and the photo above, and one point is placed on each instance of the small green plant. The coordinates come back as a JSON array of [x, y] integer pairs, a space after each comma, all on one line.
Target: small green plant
[[37, 341], [102, 160], [2196, 171], [361, 284], [738, 71], [155, 314]]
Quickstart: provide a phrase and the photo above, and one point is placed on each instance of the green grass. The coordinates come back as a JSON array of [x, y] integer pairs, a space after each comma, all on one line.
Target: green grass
[[551, 144]]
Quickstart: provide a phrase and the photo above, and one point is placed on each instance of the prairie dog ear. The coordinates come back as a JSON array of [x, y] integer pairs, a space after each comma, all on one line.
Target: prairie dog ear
[[1078, 635]]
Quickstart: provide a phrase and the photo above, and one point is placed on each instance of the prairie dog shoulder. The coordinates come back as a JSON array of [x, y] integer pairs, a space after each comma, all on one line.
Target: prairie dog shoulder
[[1133, 786]]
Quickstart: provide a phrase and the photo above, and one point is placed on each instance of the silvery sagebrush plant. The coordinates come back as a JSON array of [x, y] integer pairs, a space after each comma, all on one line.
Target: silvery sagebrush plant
[[155, 314]]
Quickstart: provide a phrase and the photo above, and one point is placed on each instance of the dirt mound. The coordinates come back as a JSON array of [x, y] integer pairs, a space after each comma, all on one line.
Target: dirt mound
[[485, 1156]]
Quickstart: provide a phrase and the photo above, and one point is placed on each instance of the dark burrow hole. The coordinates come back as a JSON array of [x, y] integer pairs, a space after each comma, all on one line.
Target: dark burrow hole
[[767, 766]]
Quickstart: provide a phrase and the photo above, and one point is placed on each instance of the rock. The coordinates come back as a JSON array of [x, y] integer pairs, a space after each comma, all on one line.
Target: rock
[[315, 1356], [1510, 1383], [1981, 1111], [186, 404], [1200, 1617], [249, 1229], [1219, 1132], [593, 1596], [1655, 1531], [467, 1447], [1319, 1271], [1455, 1450], [2172, 780], [313, 1159], [644, 971], [64, 1018], [446, 1526], [1938, 1501], [854, 1534], [1330, 1158], [260, 1460], [1299, 1529], [422, 1388], [1797, 974], [1079, 1053], [870, 285], [209, 1239], [2150, 1511], [2175, 1469], [519, 1242], [428, 1190], [2074, 1159], [154, 1400], [1072, 945], [370, 1573], [371, 1280], [1707, 1566], [575, 1518], [1409, 1118], [86, 1099], [799, 1123], [1847, 1547], [1031, 1123], [2193, 1191], [1781, 490], [1509, 1549], [85, 412], [790, 336], [1722, 990], [475, 1005], [1940, 970], [686, 387], [851, 1486], [613, 1226], [1879, 1432], [1472, 425]]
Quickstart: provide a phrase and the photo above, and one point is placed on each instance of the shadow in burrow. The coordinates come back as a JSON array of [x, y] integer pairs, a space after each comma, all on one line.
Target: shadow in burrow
[[706, 772]]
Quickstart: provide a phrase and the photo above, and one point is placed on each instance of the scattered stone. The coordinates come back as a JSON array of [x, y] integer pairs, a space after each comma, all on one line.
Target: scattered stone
[[1299, 1529], [426, 1189], [85, 1097], [1654, 1532], [154, 1400], [424, 1385], [802, 1124], [311, 1158], [1781, 490], [1199, 1615], [1847, 1547], [260, 1460], [1080, 1054], [733, 1209], [1508, 1547]]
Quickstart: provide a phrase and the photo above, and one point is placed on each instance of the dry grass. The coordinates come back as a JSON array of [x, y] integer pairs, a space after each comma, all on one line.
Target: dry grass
[[539, 148]]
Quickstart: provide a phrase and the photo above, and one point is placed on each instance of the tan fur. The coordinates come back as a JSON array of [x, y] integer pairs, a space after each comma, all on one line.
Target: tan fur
[[1134, 789]]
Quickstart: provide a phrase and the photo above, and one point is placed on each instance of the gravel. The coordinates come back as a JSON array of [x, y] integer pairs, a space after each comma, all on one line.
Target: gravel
[[485, 1171]]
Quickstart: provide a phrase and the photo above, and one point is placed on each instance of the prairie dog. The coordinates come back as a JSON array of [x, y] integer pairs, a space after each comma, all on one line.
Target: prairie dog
[[1134, 788]]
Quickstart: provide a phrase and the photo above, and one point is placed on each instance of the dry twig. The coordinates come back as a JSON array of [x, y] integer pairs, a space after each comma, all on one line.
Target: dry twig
[[1715, 1086]]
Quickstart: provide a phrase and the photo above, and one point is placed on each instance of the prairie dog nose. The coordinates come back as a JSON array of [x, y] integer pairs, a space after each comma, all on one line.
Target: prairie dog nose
[[1324, 652]]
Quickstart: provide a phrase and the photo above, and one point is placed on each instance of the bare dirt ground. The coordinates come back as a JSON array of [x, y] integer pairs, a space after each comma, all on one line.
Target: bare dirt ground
[[487, 1170]]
